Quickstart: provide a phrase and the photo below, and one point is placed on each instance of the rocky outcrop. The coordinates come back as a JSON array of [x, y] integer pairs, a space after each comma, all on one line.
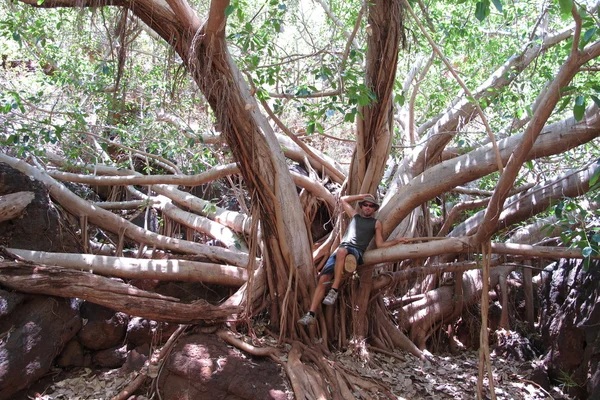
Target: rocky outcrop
[[570, 322], [203, 367], [41, 226], [32, 338]]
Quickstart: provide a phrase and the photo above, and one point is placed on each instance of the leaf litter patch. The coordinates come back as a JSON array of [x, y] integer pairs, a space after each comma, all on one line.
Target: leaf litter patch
[[447, 377], [439, 377], [87, 384]]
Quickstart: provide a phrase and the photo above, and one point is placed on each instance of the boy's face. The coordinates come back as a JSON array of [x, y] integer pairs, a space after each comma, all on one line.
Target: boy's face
[[368, 209]]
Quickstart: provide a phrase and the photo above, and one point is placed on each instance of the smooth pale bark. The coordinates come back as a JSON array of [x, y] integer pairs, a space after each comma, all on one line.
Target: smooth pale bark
[[13, 204], [124, 205], [233, 241], [545, 104], [109, 176], [128, 177], [462, 111], [527, 251], [219, 229], [116, 295], [556, 138], [384, 280], [439, 304], [113, 223], [416, 250], [135, 268], [163, 184], [537, 199]]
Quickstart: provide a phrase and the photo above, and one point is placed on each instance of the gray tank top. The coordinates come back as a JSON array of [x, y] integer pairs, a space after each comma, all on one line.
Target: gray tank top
[[359, 233]]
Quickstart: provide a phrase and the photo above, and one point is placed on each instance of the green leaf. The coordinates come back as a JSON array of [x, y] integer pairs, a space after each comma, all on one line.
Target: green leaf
[[596, 100], [579, 108], [587, 251], [558, 209], [229, 10], [17, 37], [400, 99], [482, 10], [588, 34], [363, 99], [498, 5], [567, 88], [349, 117], [40, 2], [563, 104], [565, 7], [586, 264], [595, 176]]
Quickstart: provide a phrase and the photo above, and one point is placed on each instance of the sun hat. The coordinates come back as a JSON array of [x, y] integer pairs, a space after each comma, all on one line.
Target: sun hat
[[370, 199]]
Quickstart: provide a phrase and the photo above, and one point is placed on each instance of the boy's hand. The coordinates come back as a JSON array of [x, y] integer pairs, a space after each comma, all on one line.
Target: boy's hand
[[401, 240]]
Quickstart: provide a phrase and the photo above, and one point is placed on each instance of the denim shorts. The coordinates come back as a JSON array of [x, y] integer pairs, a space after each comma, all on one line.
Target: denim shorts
[[329, 267]]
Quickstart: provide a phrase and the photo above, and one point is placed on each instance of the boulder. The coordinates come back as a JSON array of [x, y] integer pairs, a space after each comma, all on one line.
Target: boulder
[[105, 328], [203, 367], [110, 358], [570, 324], [32, 337], [41, 227]]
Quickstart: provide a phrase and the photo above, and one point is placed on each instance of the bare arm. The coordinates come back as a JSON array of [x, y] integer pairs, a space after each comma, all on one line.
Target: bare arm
[[379, 237], [346, 200]]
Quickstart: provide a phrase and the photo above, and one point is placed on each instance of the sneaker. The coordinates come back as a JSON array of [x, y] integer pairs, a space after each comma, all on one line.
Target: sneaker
[[350, 263], [307, 320], [331, 297]]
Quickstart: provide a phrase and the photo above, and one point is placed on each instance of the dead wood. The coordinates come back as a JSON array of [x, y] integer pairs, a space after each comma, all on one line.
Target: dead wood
[[13, 204], [61, 282]]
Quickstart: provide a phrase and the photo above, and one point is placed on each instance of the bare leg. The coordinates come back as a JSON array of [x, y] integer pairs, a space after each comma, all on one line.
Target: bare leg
[[339, 267], [320, 292]]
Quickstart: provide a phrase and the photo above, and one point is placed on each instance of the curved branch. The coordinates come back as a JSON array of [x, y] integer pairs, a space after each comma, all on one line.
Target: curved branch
[[556, 138], [111, 222]]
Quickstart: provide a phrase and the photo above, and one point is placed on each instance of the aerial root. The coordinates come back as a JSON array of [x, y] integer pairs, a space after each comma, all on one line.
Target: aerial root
[[229, 337]]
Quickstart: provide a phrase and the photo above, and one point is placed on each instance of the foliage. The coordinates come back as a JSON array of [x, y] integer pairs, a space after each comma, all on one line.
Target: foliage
[[96, 79]]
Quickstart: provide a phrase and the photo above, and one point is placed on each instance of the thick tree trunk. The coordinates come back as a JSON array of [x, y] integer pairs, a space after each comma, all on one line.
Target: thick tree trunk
[[375, 122], [439, 304]]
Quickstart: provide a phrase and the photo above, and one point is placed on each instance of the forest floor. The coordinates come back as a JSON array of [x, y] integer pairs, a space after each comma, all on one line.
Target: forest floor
[[440, 377]]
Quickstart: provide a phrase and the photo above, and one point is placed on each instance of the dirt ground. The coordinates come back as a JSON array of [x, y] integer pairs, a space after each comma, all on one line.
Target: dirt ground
[[442, 377]]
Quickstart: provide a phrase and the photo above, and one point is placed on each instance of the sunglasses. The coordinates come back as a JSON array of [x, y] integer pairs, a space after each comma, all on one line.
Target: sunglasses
[[370, 205]]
